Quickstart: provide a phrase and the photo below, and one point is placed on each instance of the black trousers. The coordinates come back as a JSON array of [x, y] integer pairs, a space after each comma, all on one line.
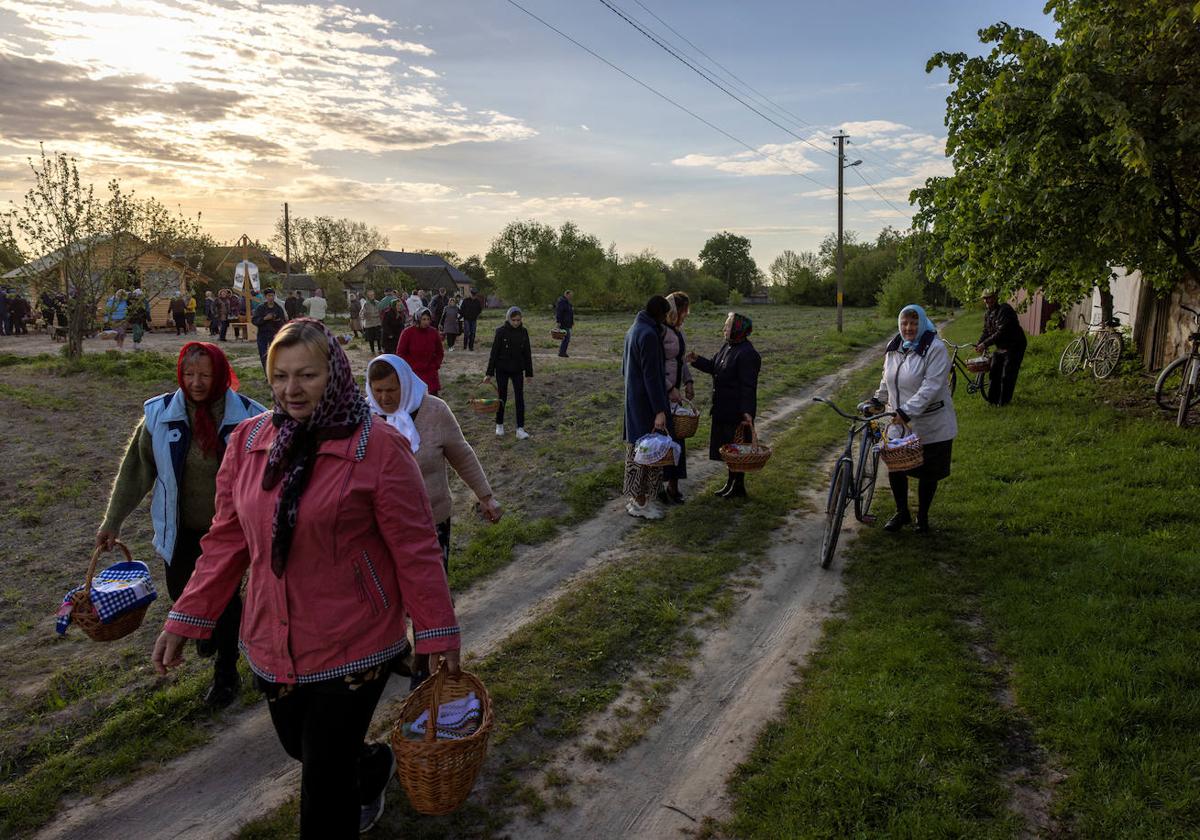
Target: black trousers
[[503, 377], [179, 572], [373, 339], [322, 725], [443, 535], [1003, 375], [469, 334]]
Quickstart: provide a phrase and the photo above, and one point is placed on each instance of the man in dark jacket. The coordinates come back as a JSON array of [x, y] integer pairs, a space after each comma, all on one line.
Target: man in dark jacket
[[438, 305], [293, 305], [470, 310], [646, 404], [564, 316], [1002, 329], [269, 318]]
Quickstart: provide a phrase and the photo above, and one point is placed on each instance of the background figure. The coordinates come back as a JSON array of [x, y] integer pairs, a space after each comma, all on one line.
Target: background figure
[[269, 317], [397, 394], [316, 306], [734, 370], [916, 385], [368, 314], [470, 309], [564, 316], [1001, 328], [451, 323], [116, 312], [355, 315], [437, 304], [176, 450], [224, 310], [293, 305], [647, 408], [326, 510], [421, 346], [210, 312], [511, 360], [178, 310], [392, 319], [139, 317], [4, 322], [678, 378], [189, 312]]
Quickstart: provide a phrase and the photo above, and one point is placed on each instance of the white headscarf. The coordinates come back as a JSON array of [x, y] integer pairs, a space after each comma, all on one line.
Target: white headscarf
[[412, 391]]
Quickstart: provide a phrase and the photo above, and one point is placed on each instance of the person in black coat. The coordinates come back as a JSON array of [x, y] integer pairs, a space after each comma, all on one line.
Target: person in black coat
[[269, 317], [564, 316], [1001, 328], [734, 370], [470, 310], [511, 360]]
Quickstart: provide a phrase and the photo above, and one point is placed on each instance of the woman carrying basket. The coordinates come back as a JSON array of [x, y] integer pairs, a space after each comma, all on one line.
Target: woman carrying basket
[[916, 386], [175, 450], [678, 376], [734, 370], [326, 509]]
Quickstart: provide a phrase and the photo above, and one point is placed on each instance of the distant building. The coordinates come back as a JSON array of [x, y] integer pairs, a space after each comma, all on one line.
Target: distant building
[[422, 271]]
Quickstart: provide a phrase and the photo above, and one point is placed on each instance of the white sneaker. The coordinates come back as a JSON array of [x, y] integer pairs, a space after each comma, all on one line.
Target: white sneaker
[[449, 349], [647, 511], [522, 434], [499, 430]]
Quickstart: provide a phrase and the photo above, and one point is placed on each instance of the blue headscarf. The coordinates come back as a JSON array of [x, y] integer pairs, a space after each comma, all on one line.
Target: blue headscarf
[[923, 327]]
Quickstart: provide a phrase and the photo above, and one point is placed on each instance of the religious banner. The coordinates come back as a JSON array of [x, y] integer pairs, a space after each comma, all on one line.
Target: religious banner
[[239, 275]]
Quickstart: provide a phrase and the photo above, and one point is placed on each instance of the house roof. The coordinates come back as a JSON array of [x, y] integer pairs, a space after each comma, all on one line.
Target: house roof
[[48, 262], [424, 268]]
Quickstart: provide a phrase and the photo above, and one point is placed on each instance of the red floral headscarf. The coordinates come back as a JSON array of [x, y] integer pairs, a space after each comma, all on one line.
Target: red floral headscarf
[[224, 379]]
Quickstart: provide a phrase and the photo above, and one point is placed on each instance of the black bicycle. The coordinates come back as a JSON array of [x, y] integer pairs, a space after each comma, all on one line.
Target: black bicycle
[[975, 379], [1178, 386], [851, 481]]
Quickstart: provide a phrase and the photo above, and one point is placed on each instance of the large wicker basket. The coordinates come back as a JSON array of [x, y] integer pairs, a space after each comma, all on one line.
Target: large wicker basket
[[438, 775], [486, 405], [980, 364], [686, 425], [84, 615], [901, 458], [745, 454]]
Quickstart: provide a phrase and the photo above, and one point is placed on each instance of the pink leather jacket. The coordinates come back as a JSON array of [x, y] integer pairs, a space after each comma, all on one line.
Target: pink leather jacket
[[364, 554]]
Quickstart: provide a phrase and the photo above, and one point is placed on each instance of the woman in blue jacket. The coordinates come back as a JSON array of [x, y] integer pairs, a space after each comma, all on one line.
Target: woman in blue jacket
[[176, 450]]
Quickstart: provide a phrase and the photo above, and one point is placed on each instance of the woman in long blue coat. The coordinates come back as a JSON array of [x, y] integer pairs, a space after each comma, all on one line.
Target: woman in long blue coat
[[646, 406]]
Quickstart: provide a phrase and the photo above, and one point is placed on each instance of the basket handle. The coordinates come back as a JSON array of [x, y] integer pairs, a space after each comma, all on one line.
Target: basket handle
[[435, 701], [739, 435], [91, 572]]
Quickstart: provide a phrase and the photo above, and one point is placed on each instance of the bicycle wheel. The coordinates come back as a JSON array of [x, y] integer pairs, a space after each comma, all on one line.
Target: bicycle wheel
[[1071, 358], [868, 471], [1169, 385], [835, 510], [1186, 404], [1108, 353]]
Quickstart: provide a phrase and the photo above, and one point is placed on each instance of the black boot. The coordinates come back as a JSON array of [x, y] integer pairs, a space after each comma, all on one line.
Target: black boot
[[898, 521], [922, 524], [738, 489], [225, 685], [724, 491]]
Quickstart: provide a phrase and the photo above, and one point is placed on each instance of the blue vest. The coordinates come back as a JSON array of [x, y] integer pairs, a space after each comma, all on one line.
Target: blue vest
[[170, 434]]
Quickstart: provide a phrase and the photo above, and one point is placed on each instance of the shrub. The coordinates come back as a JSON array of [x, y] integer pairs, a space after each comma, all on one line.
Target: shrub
[[901, 288]]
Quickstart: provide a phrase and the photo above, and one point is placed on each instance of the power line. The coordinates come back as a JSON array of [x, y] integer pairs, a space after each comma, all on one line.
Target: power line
[[666, 98], [671, 51], [877, 192]]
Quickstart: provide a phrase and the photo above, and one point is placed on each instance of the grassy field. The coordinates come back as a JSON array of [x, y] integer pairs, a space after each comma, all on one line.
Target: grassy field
[[66, 430], [1039, 645]]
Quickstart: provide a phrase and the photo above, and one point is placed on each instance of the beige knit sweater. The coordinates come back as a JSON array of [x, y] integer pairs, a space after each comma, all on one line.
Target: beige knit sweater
[[442, 442]]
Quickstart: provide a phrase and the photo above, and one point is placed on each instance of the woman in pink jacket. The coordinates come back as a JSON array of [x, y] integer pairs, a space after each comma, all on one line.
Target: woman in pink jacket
[[326, 508]]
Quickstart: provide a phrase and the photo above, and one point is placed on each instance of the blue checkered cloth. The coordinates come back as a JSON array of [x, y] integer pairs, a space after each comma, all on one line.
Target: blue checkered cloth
[[121, 588]]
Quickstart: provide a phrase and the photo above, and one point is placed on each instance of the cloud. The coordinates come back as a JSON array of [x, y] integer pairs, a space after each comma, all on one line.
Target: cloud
[[872, 128], [773, 230], [423, 71], [771, 159]]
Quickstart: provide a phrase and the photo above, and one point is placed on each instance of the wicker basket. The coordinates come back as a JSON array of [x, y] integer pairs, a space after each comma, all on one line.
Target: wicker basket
[[438, 775], [749, 460], [84, 615], [558, 334], [902, 458], [980, 364], [685, 424], [486, 405]]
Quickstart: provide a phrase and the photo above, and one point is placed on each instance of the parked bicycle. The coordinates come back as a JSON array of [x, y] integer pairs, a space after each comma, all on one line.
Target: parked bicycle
[[1178, 386], [973, 371], [851, 482], [1099, 348]]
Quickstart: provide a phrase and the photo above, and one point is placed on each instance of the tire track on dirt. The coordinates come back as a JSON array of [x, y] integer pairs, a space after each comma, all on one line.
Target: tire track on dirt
[[242, 773]]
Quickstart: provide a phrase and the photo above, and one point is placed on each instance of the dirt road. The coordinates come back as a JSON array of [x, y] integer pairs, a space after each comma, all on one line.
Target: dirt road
[[242, 773]]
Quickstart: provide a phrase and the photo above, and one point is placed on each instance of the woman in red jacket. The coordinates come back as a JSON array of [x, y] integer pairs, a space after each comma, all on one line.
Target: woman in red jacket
[[327, 510], [421, 346]]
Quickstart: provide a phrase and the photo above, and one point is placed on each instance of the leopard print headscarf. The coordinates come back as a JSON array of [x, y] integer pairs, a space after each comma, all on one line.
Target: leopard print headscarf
[[339, 414]]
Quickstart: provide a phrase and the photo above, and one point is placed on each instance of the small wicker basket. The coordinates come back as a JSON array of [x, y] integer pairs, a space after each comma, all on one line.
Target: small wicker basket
[[742, 455], [486, 405], [438, 775], [84, 615], [686, 425], [558, 334], [980, 364], [901, 458]]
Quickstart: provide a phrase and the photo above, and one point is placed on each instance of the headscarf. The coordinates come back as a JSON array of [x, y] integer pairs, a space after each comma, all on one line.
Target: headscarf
[[338, 415], [412, 391], [423, 311], [740, 329], [224, 379], [512, 310], [924, 326]]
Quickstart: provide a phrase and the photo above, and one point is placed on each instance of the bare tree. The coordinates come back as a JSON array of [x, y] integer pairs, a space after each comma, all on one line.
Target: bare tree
[[328, 246]]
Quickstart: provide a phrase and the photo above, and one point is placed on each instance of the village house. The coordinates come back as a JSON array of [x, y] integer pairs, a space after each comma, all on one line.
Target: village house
[[424, 271]]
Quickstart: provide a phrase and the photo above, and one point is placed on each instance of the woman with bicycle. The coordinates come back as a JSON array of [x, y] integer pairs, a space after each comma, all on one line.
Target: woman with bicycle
[[916, 387]]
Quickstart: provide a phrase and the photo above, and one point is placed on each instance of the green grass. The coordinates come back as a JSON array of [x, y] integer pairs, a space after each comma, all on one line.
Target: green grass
[[1064, 546]]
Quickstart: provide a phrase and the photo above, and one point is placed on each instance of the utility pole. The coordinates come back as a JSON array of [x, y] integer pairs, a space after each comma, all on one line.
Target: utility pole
[[287, 251], [840, 137]]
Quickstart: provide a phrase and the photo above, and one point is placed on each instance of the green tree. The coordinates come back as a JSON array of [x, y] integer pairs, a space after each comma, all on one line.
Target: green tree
[[522, 262], [726, 256], [902, 287], [1072, 155], [796, 279], [474, 268]]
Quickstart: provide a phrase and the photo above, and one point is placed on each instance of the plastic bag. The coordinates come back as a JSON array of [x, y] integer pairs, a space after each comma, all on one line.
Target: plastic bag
[[651, 448]]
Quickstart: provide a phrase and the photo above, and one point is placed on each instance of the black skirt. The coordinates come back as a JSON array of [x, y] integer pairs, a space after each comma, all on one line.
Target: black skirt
[[937, 461], [677, 471], [721, 434]]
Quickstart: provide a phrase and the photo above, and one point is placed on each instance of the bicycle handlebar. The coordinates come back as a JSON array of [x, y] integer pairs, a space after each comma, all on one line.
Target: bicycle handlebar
[[854, 417], [958, 346]]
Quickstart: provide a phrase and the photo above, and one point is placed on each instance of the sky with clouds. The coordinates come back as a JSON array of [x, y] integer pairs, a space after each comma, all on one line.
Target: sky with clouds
[[441, 122]]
